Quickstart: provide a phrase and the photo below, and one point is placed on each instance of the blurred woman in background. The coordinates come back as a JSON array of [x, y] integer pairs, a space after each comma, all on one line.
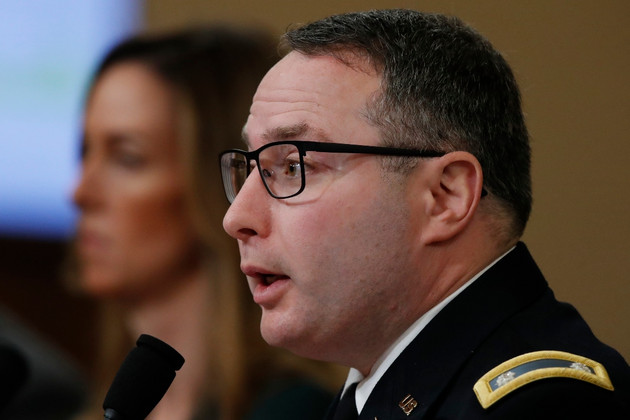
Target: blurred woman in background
[[149, 241]]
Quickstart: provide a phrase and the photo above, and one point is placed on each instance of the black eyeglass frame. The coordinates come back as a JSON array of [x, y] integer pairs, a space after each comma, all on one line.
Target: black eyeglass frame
[[325, 147]]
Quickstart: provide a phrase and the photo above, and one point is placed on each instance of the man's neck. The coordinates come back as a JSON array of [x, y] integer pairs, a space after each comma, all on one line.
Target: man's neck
[[369, 381]]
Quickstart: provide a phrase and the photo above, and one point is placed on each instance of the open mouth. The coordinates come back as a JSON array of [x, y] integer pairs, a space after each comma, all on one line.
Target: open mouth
[[268, 279]]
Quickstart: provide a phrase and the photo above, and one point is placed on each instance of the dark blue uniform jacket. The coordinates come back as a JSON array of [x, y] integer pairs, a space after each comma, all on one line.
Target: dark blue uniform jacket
[[509, 311]]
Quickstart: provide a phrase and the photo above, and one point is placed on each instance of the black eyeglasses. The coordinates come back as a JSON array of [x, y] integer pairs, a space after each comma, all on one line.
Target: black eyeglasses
[[283, 168]]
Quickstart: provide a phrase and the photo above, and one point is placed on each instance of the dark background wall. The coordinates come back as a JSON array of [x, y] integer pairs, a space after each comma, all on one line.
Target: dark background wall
[[572, 62]]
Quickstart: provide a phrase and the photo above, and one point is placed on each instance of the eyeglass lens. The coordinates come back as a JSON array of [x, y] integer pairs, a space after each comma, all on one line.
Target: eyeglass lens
[[280, 167], [234, 171]]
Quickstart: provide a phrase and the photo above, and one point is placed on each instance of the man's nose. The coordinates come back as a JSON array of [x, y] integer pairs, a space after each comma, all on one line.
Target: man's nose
[[248, 215]]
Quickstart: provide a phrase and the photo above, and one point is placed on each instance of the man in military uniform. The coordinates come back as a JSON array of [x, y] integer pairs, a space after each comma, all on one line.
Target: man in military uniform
[[379, 213]]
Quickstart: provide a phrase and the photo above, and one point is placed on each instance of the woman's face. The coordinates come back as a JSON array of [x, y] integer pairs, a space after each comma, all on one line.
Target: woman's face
[[134, 234]]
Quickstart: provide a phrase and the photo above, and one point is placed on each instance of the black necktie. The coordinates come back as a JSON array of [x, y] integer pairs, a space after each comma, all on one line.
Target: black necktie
[[347, 407]]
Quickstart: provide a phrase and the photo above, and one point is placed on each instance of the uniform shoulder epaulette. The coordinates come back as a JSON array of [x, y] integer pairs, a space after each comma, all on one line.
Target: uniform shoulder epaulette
[[529, 367]]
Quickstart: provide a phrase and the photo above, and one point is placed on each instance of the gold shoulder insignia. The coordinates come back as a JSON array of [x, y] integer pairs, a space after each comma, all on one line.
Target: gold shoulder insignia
[[529, 367]]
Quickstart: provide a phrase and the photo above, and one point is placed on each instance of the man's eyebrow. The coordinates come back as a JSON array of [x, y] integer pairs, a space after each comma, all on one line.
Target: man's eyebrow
[[288, 132]]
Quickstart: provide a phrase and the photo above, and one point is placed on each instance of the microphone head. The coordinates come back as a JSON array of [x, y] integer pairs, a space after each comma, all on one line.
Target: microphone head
[[14, 371], [143, 378]]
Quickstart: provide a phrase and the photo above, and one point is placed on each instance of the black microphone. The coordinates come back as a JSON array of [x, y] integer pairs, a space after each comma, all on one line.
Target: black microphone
[[142, 380], [14, 371]]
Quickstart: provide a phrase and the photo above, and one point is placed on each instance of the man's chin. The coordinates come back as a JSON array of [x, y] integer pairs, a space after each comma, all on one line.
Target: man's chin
[[271, 330], [278, 333]]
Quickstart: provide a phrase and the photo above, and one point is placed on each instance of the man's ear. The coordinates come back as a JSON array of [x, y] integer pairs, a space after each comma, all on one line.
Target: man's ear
[[455, 185]]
